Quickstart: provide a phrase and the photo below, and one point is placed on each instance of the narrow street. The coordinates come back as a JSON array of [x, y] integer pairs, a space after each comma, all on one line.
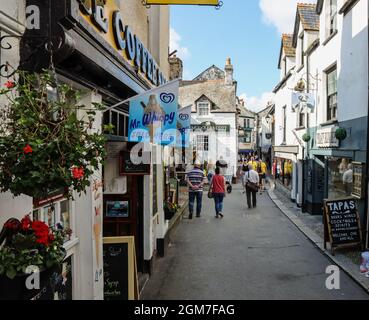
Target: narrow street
[[250, 254]]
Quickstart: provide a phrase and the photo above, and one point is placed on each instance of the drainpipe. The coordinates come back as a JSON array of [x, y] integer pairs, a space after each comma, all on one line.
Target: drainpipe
[[366, 204]]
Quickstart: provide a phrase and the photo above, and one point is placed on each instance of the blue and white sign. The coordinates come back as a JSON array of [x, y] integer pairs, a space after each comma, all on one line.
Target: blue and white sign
[[153, 115], [303, 101], [184, 127]]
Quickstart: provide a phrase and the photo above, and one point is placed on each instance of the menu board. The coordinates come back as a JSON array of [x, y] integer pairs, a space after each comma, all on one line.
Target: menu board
[[115, 271], [357, 180], [120, 269], [342, 222]]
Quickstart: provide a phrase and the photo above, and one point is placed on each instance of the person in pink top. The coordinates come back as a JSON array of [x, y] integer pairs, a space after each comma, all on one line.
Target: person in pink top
[[218, 189]]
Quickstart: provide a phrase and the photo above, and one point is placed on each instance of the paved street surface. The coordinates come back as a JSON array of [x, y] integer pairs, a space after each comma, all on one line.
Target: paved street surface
[[250, 254]]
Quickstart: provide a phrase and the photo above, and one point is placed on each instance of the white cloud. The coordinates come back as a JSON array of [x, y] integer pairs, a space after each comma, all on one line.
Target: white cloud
[[257, 103], [175, 44], [280, 13]]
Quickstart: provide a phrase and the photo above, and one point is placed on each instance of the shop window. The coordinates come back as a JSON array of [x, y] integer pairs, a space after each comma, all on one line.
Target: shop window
[[202, 143], [55, 214], [283, 172], [332, 94], [119, 120], [340, 177]]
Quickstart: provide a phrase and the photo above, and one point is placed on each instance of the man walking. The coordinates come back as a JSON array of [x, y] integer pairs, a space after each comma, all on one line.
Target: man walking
[[251, 182], [195, 180]]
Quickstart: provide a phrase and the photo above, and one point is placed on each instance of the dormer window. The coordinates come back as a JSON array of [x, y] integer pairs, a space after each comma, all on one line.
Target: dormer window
[[203, 108]]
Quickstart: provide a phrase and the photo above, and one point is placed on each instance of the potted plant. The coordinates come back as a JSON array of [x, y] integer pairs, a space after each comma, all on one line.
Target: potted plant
[[25, 245], [341, 134], [46, 137], [306, 137], [170, 209]]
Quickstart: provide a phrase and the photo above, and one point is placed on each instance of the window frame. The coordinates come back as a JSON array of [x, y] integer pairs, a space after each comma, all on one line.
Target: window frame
[[202, 142], [331, 109], [201, 106]]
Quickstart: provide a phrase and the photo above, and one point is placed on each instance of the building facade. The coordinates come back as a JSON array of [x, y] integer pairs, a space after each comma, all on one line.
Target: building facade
[[213, 101], [110, 51], [319, 138], [246, 130]]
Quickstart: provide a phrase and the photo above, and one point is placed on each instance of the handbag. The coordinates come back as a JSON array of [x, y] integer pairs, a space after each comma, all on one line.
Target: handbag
[[252, 186], [210, 194]]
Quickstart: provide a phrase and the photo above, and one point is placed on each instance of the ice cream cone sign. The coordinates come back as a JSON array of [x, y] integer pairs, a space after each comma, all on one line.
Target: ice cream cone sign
[[153, 109]]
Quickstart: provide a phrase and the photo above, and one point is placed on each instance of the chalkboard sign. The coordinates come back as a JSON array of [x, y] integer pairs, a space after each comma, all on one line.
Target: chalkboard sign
[[116, 271], [128, 168], [120, 273], [342, 223]]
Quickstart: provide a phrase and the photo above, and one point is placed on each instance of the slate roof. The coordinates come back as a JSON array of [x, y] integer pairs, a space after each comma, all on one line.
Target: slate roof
[[289, 50], [211, 73], [308, 16], [222, 97]]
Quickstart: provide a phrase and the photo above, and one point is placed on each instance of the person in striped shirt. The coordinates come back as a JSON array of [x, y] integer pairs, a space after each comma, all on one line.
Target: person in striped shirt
[[195, 180]]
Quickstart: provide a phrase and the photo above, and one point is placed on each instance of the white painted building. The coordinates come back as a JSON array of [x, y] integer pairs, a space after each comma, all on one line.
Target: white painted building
[[327, 57], [212, 96]]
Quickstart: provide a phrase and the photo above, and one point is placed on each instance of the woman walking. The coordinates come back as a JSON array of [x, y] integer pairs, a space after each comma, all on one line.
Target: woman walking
[[218, 189]]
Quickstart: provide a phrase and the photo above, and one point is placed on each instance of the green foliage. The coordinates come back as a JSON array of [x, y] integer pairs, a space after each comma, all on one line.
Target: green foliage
[[47, 118], [306, 137], [341, 133]]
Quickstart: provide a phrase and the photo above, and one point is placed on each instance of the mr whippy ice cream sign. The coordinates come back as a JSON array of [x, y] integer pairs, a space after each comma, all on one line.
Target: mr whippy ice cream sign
[[153, 115]]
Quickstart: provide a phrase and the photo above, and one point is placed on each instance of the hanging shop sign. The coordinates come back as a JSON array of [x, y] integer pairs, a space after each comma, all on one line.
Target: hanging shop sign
[[196, 2], [326, 138], [342, 226], [303, 101], [153, 115], [128, 168], [107, 21]]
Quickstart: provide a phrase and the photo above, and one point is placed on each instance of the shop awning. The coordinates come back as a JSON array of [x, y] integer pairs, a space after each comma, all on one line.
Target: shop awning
[[245, 151]]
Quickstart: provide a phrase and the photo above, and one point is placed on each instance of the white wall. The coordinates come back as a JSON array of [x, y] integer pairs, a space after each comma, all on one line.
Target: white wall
[[218, 143]]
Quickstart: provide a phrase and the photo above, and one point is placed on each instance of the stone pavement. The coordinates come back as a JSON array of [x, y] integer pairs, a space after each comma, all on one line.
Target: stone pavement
[[250, 254], [313, 227]]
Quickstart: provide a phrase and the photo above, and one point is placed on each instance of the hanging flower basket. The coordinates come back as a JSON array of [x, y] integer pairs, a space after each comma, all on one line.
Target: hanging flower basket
[[341, 134], [170, 210], [306, 137], [25, 244], [45, 143]]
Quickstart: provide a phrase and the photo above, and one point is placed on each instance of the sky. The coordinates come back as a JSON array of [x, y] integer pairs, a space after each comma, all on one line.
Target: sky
[[247, 31]]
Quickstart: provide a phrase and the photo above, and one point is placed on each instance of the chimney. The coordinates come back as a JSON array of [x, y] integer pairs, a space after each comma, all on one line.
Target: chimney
[[175, 68], [228, 72]]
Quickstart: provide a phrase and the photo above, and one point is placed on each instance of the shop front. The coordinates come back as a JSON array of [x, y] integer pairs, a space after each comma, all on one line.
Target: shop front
[[284, 168], [94, 51]]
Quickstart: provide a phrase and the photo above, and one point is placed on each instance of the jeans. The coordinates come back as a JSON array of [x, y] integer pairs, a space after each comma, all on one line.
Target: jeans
[[192, 196], [248, 195], [218, 200]]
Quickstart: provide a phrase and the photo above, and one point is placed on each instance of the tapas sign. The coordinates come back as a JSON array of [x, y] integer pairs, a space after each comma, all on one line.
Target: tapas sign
[[342, 226]]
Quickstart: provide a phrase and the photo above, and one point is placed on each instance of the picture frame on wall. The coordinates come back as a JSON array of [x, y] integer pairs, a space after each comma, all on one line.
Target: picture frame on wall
[[117, 209]]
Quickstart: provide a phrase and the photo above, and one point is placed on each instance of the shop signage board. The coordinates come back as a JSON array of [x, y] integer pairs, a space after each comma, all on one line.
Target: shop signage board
[[303, 101], [127, 167], [326, 138], [207, 127], [106, 20], [178, 2], [342, 226], [120, 270], [358, 180]]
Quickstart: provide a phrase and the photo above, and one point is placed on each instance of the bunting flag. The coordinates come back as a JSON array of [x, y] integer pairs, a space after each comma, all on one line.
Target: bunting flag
[[153, 115]]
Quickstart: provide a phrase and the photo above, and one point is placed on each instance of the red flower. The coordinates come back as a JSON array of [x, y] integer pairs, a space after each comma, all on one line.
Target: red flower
[[26, 223], [78, 173], [27, 149], [9, 84], [51, 237], [42, 231]]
